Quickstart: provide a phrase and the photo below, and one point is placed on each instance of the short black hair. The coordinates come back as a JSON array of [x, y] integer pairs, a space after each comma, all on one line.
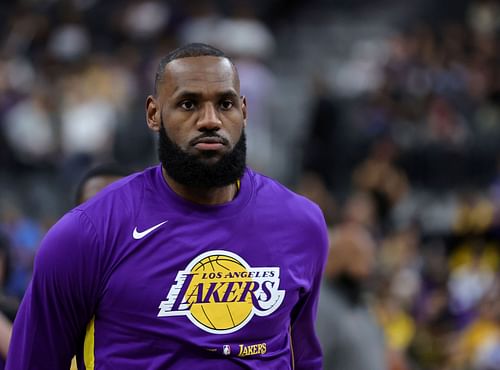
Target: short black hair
[[196, 49], [105, 169]]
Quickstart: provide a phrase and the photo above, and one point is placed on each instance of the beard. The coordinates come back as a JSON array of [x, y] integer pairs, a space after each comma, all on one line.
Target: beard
[[190, 170]]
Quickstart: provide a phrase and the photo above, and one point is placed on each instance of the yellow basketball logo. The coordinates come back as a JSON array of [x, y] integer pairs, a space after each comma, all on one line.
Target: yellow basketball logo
[[220, 293]]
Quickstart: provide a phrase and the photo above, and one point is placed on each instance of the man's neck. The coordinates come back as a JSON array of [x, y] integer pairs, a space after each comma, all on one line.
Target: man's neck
[[206, 196]]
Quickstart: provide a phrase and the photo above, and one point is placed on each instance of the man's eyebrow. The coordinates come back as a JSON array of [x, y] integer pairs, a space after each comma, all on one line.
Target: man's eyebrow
[[188, 94], [185, 94], [229, 94]]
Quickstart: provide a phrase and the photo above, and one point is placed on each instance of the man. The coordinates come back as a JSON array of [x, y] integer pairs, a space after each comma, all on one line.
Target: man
[[8, 304], [348, 332], [96, 179], [92, 182], [199, 263]]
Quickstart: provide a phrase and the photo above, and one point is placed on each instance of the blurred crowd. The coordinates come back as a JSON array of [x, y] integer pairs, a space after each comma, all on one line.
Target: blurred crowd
[[74, 76], [413, 161], [426, 187]]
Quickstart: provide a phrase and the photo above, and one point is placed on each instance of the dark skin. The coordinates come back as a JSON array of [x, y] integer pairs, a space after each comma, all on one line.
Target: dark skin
[[200, 95]]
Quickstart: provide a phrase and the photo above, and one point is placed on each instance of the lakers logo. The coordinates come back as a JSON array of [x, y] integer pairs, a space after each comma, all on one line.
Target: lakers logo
[[220, 293]]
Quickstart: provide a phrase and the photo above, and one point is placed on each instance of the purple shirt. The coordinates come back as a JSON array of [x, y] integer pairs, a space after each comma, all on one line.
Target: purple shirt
[[139, 278]]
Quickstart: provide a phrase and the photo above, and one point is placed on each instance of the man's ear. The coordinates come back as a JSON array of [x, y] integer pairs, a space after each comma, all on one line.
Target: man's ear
[[244, 110], [153, 114]]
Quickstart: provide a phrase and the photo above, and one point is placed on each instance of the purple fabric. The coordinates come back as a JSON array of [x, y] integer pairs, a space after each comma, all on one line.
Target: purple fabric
[[175, 285]]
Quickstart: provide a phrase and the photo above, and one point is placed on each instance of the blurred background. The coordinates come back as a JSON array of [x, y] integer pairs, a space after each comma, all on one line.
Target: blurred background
[[384, 112]]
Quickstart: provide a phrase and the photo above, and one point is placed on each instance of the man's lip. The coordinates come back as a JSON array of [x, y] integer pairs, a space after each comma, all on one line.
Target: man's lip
[[202, 145], [209, 140], [209, 143]]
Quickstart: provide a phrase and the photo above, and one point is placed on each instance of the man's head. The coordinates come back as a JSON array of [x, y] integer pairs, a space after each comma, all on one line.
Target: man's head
[[351, 260], [200, 117], [352, 252], [188, 51], [96, 179]]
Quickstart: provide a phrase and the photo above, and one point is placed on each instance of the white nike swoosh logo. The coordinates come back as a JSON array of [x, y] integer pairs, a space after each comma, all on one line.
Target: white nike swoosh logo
[[141, 234]]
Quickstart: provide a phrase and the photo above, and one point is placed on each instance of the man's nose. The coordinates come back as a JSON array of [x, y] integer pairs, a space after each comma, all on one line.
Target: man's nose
[[209, 118]]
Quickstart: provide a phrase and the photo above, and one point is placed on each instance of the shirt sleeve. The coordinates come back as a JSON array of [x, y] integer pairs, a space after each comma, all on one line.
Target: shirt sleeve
[[305, 345], [60, 299]]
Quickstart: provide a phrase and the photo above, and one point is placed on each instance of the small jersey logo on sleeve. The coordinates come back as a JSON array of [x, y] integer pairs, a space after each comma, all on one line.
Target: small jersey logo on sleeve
[[220, 293]]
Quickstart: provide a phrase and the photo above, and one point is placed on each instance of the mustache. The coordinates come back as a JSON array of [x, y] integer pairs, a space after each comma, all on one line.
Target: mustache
[[204, 135], [210, 135]]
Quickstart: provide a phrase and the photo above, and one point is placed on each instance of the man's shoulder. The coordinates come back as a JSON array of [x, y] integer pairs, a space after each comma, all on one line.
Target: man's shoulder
[[103, 216], [120, 196], [272, 192]]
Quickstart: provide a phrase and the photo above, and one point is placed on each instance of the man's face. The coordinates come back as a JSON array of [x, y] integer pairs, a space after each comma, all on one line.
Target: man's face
[[201, 118]]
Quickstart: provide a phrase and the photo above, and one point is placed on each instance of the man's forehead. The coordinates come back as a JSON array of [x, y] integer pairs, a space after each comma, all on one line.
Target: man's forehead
[[204, 69]]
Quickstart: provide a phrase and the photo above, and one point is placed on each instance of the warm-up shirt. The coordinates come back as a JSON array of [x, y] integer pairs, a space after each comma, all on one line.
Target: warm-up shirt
[[140, 278]]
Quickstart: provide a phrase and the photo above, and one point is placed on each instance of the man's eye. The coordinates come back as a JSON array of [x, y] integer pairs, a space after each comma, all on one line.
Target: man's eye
[[226, 104], [187, 105]]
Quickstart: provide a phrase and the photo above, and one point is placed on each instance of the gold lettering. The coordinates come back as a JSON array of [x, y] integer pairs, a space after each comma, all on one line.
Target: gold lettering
[[254, 349], [263, 348]]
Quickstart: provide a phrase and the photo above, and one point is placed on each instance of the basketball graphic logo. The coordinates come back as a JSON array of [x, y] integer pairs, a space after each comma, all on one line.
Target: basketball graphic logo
[[220, 293], [221, 314]]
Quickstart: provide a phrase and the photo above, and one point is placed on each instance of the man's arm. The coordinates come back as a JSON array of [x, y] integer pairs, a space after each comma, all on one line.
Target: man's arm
[[306, 348], [61, 298]]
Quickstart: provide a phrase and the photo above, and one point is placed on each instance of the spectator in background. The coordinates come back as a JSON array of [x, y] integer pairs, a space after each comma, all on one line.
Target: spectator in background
[[312, 186], [478, 346], [8, 304], [360, 208], [5, 334], [349, 334], [472, 275], [93, 182], [97, 179], [25, 234], [30, 130], [323, 141], [398, 284], [429, 348], [379, 176]]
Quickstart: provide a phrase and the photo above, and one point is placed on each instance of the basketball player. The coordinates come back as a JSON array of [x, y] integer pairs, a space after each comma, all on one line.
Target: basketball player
[[197, 263]]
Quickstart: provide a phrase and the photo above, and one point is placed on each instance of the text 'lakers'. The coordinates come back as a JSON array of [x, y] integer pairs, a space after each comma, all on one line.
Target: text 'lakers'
[[220, 293], [255, 349]]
